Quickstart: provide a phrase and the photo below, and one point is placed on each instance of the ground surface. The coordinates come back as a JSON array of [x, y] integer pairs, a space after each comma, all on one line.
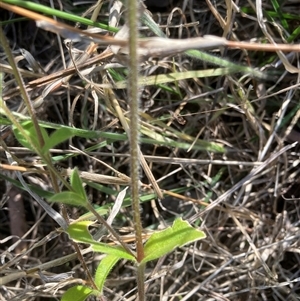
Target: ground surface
[[232, 147]]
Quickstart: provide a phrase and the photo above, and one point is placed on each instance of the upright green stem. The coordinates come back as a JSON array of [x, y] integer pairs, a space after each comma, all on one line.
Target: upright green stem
[[133, 93]]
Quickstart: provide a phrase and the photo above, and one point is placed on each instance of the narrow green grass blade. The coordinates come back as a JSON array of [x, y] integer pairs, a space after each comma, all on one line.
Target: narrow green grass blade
[[60, 14], [294, 35], [15, 20], [203, 56], [172, 77], [148, 21], [277, 9], [163, 141], [40, 192], [206, 57], [284, 15]]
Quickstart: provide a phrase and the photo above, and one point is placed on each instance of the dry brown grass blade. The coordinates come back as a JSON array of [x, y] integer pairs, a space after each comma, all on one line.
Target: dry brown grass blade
[[144, 164], [59, 28], [62, 73], [97, 178], [148, 46], [264, 47], [241, 112], [257, 254], [254, 172]]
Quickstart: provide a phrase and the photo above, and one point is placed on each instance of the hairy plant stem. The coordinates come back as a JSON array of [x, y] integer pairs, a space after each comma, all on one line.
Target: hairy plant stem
[[133, 93]]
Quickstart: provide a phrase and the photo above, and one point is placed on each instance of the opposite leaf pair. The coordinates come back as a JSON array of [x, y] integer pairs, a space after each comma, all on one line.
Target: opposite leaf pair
[[159, 244]]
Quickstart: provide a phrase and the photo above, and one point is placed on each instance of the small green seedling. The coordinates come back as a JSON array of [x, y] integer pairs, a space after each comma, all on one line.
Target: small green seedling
[[159, 244]]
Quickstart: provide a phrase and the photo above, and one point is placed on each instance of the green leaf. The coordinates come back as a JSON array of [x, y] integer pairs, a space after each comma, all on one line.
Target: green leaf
[[109, 136], [57, 137], [70, 198], [28, 138], [176, 76], [103, 269], [116, 250], [76, 183], [102, 210], [4, 120], [41, 192], [165, 241], [60, 14], [200, 55], [78, 293], [79, 232]]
